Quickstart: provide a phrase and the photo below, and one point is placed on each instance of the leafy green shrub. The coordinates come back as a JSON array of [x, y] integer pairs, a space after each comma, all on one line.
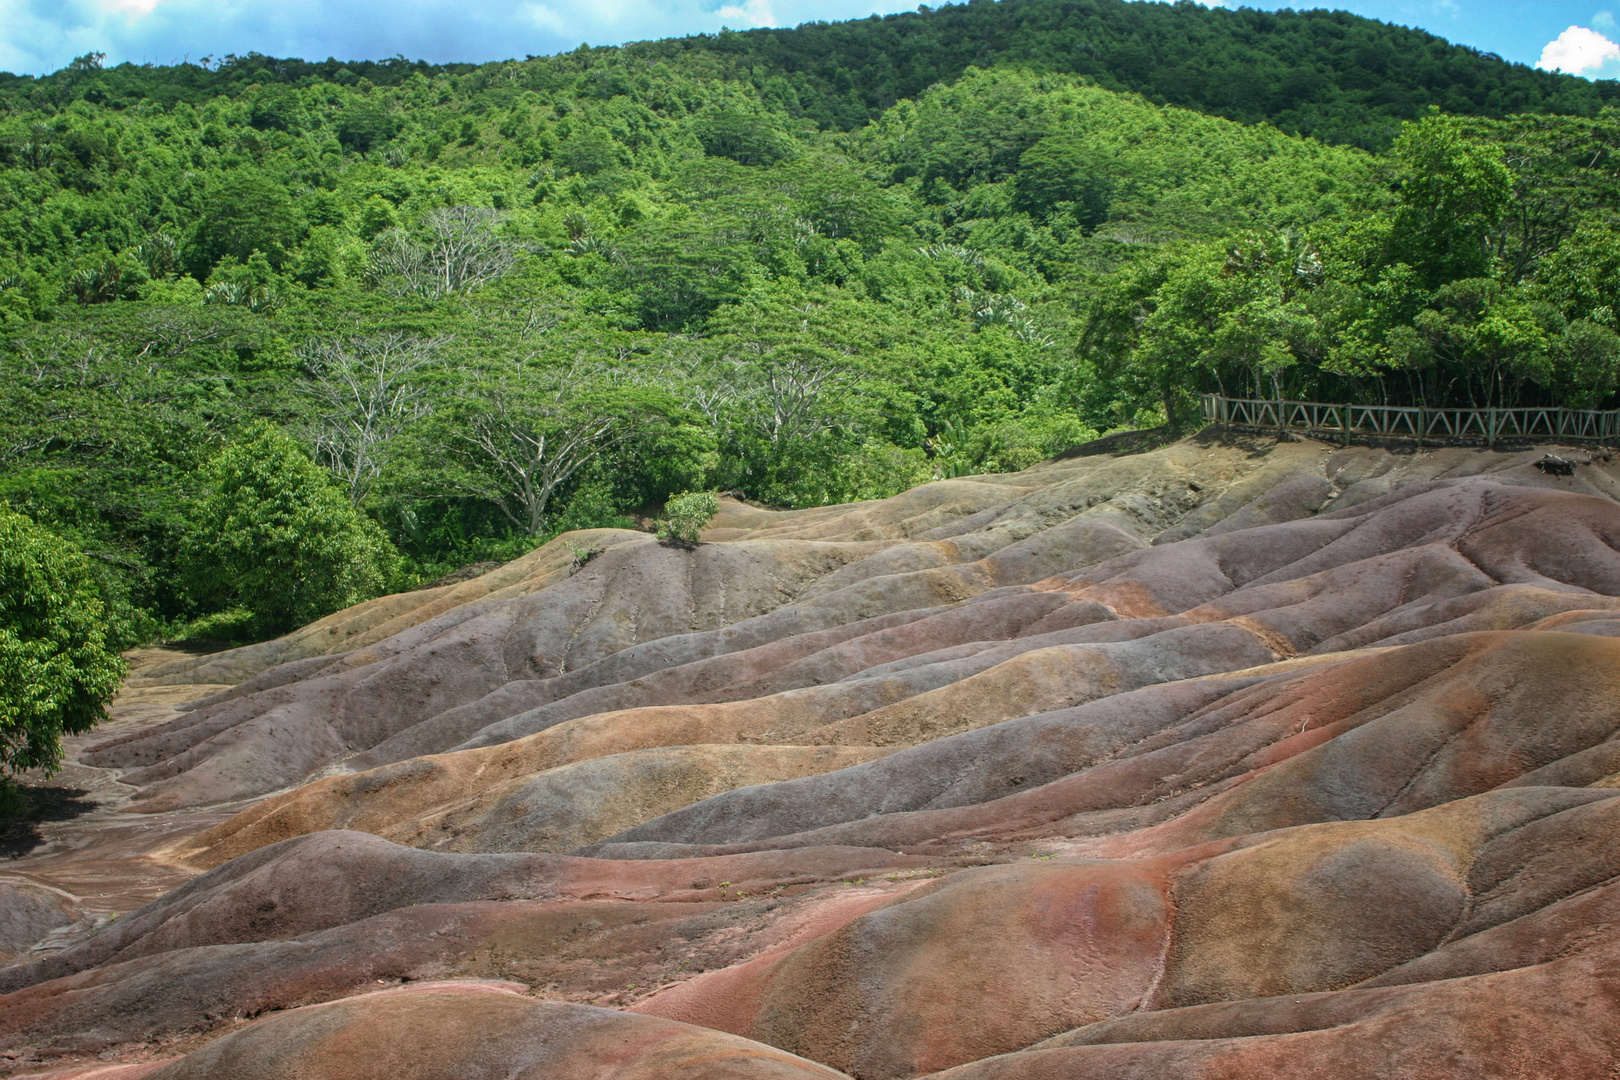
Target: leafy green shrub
[[56, 672], [272, 533], [876, 470], [1010, 444], [686, 514], [233, 625], [1029, 439], [589, 507], [583, 553]]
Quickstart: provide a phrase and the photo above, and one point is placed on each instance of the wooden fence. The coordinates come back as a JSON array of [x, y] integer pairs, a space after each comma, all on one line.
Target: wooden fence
[[1403, 422]]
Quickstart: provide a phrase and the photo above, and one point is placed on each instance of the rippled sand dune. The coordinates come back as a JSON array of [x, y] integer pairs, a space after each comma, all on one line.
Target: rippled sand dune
[[1230, 759]]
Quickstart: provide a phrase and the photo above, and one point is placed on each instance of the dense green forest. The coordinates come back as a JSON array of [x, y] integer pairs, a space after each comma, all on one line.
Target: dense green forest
[[276, 336], [1328, 74]]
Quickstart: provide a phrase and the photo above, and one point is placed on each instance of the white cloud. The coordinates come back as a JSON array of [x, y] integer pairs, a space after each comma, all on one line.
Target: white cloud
[[748, 14], [546, 18], [1577, 51], [136, 8]]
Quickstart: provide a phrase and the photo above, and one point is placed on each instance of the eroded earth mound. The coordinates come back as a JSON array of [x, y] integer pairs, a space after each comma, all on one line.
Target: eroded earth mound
[[1231, 759]]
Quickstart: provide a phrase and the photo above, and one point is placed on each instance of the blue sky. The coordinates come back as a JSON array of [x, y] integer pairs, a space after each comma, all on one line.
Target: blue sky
[[37, 36]]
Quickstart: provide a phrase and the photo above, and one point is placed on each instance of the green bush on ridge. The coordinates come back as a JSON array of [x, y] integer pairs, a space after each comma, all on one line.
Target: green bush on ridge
[[685, 515]]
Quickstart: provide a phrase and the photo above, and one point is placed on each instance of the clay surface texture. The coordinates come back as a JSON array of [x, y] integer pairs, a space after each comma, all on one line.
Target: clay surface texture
[[1230, 759]]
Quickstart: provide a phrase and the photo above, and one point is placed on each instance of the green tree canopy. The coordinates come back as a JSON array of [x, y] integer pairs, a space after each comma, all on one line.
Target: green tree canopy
[[248, 212], [1454, 192], [748, 138], [56, 672], [1014, 242], [274, 534]]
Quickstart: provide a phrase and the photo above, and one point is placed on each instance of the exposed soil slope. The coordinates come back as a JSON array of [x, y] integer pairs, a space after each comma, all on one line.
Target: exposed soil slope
[[1231, 759]]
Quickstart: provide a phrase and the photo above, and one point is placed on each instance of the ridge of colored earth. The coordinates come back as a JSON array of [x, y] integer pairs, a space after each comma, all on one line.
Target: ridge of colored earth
[[1235, 758]]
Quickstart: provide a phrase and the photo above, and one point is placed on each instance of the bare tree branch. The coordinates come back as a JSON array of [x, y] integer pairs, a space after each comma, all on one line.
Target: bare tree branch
[[784, 394], [366, 385], [529, 437], [462, 251]]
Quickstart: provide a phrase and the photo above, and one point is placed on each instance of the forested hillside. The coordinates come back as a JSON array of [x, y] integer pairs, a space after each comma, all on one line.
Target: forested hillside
[[1329, 74], [278, 336]]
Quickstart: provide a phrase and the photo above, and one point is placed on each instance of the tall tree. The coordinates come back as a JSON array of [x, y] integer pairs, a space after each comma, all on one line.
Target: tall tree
[[370, 389], [459, 249], [1454, 192], [56, 672], [272, 533], [525, 433]]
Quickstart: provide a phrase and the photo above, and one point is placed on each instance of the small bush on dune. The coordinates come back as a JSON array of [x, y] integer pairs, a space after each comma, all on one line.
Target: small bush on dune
[[685, 515]]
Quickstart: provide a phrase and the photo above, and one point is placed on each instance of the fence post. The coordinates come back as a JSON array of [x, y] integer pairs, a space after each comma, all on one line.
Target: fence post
[[1490, 435], [1422, 426]]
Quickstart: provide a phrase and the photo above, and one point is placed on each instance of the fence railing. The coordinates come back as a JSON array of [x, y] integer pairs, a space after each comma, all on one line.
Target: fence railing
[[1410, 422]]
